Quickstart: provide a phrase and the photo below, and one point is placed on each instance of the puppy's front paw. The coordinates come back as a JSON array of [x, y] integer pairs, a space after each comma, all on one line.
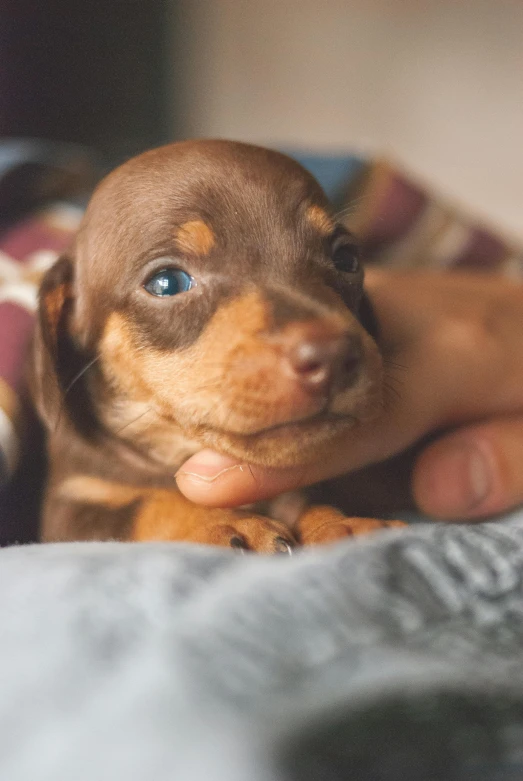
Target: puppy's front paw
[[248, 533], [323, 524]]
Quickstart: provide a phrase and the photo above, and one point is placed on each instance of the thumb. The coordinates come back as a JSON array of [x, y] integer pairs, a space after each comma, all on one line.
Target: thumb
[[471, 473], [219, 481]]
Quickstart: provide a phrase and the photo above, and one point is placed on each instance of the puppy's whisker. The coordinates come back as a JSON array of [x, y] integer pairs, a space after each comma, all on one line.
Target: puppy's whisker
[[351, 207], [252, 474], [390, 390], [393, 387], [81, 374], [393, 364], [71, 385], [394, 379], [215, 385], [134, 420]]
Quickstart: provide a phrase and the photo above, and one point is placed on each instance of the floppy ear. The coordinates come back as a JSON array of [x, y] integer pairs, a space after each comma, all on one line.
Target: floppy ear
[[58, 361]]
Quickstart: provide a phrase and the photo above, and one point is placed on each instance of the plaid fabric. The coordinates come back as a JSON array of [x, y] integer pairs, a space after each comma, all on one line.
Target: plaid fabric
[[26, 252], [35, 231], [400, 223], [403, 224]]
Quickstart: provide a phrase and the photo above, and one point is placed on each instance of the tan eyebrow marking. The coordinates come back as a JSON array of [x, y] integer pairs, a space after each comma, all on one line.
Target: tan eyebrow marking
[[195, 237], [320, 220]]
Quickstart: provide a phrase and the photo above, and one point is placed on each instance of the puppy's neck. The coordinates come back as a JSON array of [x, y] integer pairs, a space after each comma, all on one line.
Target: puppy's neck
[[161, 443], [109, 458]]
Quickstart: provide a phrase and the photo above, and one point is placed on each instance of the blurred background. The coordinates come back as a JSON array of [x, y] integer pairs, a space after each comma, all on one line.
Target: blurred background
[[437, 84]]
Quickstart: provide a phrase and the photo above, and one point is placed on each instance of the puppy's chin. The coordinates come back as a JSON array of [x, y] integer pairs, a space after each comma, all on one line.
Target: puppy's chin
[[287, 445], [302, 441]]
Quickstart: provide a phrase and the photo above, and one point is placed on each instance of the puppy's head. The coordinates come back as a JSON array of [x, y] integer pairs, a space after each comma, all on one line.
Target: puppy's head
[[214, 302]]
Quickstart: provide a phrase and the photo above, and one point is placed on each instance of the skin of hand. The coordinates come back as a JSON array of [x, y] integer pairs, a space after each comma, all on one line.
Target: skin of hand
[[453, 347]]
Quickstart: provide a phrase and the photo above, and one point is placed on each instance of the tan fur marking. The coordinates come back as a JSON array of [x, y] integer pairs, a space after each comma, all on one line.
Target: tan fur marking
[[188, 382], [221, 391], [119, 352], [322, 524], [94, 490], [167, 515], [195, 237], [193, 376], [320, 220], [138, 417], [54, 303], [224, 382], [9, 401]]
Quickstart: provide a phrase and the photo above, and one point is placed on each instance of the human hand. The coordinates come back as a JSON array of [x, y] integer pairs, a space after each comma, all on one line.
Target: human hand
[[453, 347]]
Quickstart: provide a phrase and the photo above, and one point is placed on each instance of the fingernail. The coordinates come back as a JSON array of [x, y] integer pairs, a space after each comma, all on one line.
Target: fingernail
[[458, 482], [207, 467]]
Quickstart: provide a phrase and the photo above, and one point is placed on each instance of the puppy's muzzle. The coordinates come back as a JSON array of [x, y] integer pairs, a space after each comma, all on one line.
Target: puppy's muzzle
[[321, 360]]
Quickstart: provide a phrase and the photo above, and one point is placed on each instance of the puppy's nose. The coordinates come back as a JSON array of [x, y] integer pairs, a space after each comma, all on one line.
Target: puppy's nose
[[322, 361]]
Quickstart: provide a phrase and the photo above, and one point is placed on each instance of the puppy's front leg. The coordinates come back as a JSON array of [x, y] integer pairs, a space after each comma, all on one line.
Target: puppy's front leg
[[86, 507], [167, 515], [322, 524]]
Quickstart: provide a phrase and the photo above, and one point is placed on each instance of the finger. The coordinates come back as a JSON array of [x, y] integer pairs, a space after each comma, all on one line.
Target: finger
[[472, 473], [218, 481]]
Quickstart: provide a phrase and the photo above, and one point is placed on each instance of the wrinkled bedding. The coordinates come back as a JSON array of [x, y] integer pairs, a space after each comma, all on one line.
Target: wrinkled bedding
[[398, 656]]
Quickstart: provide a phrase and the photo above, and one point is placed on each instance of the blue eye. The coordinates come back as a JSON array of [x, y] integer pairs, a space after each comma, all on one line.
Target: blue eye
[[169, 282]]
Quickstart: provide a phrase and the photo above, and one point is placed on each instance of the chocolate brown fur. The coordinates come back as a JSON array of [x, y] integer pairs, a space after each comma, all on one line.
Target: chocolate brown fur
[[265, 359]]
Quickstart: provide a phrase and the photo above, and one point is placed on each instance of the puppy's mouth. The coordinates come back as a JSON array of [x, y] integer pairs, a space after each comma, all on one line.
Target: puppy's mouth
[[292, 428], [287, 443]]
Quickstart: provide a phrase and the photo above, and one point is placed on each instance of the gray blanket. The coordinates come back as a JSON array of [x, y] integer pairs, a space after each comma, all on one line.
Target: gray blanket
[[394, 657]]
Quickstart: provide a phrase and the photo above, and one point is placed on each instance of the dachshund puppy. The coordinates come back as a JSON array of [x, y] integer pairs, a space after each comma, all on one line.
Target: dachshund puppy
[[209, 300]]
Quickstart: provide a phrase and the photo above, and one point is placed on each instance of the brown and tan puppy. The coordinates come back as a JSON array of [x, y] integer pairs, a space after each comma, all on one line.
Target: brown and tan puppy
[[209, 300]]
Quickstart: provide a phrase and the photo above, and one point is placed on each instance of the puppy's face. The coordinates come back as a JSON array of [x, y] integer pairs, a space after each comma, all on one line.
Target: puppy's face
[[219, 303]]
